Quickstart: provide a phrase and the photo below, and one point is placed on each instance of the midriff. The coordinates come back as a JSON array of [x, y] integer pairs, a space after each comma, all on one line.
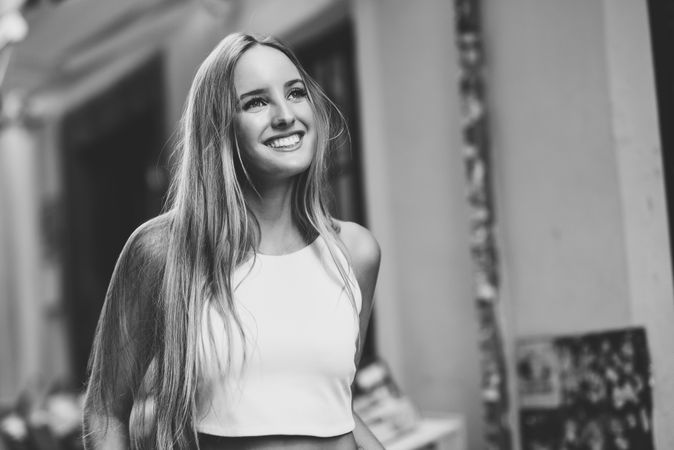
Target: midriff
[[277, 442]]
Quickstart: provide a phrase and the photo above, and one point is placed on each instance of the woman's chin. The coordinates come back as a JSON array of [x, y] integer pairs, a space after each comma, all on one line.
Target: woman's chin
[[280, 172]]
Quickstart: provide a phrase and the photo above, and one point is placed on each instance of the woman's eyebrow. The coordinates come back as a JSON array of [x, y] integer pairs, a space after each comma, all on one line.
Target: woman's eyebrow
[[263, 90], [253, 92]]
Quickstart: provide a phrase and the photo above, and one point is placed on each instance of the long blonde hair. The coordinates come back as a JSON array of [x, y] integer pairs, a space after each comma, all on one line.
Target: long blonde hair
[[211, 232]]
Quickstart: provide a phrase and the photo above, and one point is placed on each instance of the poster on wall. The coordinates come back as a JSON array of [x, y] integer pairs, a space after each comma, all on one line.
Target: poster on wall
[[590, 391]]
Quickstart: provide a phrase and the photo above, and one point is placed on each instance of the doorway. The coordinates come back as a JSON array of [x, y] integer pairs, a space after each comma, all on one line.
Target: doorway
[[110, 147], [661, 17]]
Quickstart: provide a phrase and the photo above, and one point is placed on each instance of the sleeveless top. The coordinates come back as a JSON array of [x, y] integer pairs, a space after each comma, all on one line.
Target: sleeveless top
[[300, 331]]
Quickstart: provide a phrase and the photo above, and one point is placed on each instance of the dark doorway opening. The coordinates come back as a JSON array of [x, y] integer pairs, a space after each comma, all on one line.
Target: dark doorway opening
[[110, 145], [661, 15]]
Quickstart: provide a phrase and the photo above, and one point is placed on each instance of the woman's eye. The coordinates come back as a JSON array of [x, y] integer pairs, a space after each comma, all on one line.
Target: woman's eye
[[254, 104], [297, 94]]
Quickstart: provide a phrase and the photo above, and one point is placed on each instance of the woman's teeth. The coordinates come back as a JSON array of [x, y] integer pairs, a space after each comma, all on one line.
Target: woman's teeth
[[287, 141]]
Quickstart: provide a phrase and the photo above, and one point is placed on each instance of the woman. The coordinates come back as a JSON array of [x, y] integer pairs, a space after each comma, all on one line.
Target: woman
[[235, 319]]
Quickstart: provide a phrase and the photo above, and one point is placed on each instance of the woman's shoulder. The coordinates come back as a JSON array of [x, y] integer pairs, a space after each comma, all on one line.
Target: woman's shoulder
[[146, 247], [361, 244]]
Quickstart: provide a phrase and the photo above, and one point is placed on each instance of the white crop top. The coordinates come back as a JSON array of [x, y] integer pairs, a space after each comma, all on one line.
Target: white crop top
[[301, 335]]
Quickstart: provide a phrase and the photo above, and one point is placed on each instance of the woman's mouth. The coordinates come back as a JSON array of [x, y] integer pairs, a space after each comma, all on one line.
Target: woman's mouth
[[285, 143]]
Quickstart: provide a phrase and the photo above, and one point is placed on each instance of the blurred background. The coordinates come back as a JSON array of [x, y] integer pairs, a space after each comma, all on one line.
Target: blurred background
[[579, 101]]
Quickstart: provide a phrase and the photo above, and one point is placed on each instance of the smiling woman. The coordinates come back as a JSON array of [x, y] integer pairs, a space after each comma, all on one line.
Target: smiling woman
[[234, 320], [275, 125]]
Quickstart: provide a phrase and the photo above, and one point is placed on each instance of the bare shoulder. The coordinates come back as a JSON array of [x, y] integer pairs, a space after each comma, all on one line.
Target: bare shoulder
[[140, 266], [153, 234], [362, 246], [365, 256], [126, 335], [147, 244]]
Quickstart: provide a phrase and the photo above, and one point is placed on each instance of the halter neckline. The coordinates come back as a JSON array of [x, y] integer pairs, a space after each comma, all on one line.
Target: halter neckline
[[293, 253]]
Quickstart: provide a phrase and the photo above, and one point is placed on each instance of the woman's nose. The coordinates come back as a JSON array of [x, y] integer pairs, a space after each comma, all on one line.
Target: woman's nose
[[283, 116]]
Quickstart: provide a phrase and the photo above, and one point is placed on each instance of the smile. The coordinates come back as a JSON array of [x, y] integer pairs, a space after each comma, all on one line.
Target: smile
[[285, 143]]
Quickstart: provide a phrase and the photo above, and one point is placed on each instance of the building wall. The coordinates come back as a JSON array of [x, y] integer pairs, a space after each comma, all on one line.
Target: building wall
[[638, 151], [415, 197], [579, 183], [557, 184]]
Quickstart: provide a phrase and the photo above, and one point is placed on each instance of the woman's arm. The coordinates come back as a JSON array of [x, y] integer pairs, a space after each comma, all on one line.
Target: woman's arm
[[365, 439], [365, 258], [126, 339]]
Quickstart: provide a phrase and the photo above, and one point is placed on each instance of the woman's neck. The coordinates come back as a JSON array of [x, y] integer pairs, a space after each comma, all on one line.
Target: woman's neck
[[272, 206]]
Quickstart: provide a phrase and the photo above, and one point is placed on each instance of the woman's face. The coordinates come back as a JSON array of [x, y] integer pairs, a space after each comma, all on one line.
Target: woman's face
[[275, 124]]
